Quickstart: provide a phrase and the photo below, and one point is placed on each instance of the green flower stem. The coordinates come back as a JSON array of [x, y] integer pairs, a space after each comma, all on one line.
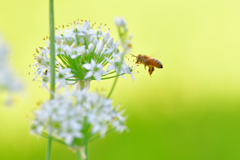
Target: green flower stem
[[52, 69], [79, 154], [108, 73], [52, 51], [54, 139], [112, 76], [86, 151], [49, 148], [82, 84], [115, 81]]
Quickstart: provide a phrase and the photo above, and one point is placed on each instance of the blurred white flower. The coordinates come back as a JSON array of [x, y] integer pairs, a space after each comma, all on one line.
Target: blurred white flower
[[8, 79], [77, 115]]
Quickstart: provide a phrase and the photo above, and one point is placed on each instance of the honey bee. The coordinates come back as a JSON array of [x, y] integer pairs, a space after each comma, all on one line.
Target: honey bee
[[147, 61]]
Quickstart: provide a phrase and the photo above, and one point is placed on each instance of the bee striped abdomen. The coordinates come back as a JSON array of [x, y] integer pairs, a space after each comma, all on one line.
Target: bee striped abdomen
[[156, 63]]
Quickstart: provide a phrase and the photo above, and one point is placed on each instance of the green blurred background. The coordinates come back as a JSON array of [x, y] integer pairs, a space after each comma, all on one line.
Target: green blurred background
[[189, 110]]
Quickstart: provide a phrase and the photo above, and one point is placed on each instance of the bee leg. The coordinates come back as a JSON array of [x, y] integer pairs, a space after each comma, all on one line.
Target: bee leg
[[145, 67], [150, 70]]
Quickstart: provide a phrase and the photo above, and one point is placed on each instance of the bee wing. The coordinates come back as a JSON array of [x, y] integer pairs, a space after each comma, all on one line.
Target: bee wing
[[155, 55]]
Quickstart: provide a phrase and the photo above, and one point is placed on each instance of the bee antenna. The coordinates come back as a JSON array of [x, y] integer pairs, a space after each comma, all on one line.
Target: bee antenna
[[133, 55]]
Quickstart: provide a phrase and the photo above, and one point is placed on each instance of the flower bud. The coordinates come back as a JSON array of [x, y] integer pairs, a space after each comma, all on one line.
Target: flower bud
[[117, 21], [125, 28], [116, 44], [99, 47], [123, 22], [106, 37], [130, 36], [95, 42], [90, 39], [82, 40], [110, 42], [86, 25], [90, 48]]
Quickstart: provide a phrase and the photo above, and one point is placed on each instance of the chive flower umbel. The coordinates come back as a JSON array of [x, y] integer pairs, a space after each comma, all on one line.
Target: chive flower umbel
[[76, 116], [83, 53]]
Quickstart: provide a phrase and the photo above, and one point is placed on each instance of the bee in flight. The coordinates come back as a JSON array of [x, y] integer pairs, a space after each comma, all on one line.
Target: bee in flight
[[147, 61]]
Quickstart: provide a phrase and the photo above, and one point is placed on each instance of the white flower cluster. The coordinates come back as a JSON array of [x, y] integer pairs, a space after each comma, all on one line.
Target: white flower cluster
[[81, 54], [8, 79], [75, 116]]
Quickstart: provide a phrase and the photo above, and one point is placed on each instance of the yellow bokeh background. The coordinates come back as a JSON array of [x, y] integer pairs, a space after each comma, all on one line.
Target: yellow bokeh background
[[189, 110]]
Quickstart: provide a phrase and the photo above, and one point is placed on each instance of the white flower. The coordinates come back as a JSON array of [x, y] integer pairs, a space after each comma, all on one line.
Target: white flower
[[116, 64], [74, 50], [94, 69], [59, 49], [61, 76], [69, 115], [70, 129], [45, 81], [130, 70]]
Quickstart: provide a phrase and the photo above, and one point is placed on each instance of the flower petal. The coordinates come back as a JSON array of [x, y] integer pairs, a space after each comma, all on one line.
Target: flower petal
[[97, 76], [89, 74], [88, 66]]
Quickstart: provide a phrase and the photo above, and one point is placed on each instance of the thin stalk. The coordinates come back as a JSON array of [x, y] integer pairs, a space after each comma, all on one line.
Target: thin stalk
[[115, 81], [112, 76], [52, 69], [82, 84], [49, 148], [108, 73], [79, 154], [86, 151], [52, 51], [119, 68], [55, 140]]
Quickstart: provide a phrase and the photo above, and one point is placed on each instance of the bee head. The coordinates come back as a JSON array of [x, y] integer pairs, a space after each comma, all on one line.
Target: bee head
[[139, 58]]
